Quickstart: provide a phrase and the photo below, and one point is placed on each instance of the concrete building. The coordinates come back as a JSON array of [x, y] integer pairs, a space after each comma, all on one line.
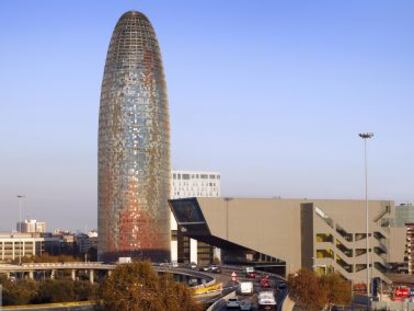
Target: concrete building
[[403, 225], [31, 226], [324, 235], [186, 184], [14, 245], [134, 146]]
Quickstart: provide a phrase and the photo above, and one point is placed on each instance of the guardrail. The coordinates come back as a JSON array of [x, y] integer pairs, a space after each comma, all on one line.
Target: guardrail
[[55, 305], [232, 294]]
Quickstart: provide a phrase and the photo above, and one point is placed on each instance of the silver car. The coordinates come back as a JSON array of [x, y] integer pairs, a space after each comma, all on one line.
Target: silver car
[[233, 303]]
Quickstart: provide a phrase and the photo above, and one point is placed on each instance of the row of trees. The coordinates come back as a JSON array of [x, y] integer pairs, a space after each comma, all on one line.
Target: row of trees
[[27, 291], [137, 287], [314, 292], [132, 287]]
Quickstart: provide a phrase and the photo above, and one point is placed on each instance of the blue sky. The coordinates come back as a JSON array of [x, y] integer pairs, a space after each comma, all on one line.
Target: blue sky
[[272, 94]]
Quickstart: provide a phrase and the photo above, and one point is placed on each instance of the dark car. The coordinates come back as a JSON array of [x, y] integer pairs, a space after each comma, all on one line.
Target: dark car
[[204, 268], [281, 286]]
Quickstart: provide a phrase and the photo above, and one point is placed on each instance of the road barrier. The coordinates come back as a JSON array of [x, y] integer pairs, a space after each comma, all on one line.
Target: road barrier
[[52, 306], [208, 289]]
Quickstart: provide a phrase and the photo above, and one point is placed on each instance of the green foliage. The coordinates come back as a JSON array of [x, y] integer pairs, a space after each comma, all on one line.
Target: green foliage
[[84, 290], [28, 291], [56, 291], [137, 287], [21, 292]]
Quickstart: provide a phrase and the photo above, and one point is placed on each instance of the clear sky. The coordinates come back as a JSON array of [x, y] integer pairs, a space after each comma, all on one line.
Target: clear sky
[[272, 94]]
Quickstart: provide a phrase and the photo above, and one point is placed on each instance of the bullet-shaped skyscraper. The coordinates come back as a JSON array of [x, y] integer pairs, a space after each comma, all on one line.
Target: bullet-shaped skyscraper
[[134, 146]]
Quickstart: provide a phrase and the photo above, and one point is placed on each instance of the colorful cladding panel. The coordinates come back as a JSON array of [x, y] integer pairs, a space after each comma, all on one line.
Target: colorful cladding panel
[[134, 142]]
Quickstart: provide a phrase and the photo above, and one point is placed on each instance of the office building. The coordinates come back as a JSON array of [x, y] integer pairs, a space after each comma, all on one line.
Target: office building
[[134, 146], [195, 184], [31, 226], [324, 235], [86, 241], [186, 184], [15, 245]]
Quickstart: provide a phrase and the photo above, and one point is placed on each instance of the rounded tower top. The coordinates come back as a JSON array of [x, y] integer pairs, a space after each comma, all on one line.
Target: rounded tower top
[[133, 14]]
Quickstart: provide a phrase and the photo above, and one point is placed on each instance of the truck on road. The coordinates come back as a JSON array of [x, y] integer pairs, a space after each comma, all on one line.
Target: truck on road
[[246, 288]]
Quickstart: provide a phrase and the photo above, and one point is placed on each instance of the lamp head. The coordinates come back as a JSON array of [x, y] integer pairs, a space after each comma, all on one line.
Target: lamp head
[[366, 135]]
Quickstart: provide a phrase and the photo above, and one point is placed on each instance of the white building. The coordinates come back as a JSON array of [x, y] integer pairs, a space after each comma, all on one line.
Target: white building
[[186, 184], [31, 226], [14, 245]]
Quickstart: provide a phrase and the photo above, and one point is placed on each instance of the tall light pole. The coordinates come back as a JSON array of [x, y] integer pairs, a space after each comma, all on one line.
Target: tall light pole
[[365, 137], [20, 197]]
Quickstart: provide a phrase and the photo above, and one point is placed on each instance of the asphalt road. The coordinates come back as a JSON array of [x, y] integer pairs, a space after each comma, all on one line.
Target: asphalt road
[[279, 294]]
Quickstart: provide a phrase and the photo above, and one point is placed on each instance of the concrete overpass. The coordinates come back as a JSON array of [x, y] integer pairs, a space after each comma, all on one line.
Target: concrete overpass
[[50, 270]]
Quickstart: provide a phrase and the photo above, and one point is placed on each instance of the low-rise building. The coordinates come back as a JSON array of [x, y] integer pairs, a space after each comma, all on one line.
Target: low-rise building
[[15, 245], [323, 235]]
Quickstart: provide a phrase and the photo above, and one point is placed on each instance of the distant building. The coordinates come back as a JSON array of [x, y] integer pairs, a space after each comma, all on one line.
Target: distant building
[[31, 226], [86, 241], [60, 243], [195, 184], [16, 244], [404, 222], [404, 213], [186, 184]]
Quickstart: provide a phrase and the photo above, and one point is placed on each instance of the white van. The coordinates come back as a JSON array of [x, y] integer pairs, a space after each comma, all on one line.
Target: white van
[[266, 300]]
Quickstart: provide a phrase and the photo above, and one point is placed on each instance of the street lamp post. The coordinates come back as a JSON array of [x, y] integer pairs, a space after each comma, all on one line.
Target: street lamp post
[[20, 197], [365, 137]]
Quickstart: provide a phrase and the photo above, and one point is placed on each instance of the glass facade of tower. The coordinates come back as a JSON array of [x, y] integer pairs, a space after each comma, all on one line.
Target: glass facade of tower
[[134, 146]]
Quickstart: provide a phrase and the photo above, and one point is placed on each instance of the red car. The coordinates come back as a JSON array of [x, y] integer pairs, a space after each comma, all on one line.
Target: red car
[[251, 275], [265, 282]]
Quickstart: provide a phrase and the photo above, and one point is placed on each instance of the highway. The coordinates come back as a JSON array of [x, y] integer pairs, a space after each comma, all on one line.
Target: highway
[[274, 282]]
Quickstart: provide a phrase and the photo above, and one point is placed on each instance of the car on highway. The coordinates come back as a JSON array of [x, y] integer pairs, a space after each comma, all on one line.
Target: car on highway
[[214, 269], [265, 282], [250, 272], [204, 268], [266, 300], [245, 304], [281, 286], [233, 303], [246, 288]]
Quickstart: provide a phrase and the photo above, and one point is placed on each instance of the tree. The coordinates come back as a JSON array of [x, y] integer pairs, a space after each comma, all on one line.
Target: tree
[[19, 292], [55, 291], [137, 287], [176, 296], [338, 289], [307, 291]]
